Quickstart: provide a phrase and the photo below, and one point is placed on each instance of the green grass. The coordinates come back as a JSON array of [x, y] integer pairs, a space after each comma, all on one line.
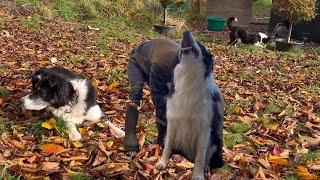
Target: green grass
[[66, 9], [36, 128], [272, 108], [232, 139], [30, 22], [4, 93], [246, 75], [310, 156], [292, 177], [118, 19], [239, 127], [150, 126], [230, 109], [116, 75], [262, 7], [77, 59], [80, 176], [5, 175], [5, 126], [293, 52]]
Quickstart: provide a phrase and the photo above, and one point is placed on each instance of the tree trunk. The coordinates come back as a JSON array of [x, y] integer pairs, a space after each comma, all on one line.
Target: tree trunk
[[165, 16], [198, 7], [290, 30]]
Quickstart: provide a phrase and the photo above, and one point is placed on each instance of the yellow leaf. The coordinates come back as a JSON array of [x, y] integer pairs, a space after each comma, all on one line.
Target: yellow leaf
[[273, 127], [49, 124], [100, 125], [15, 132], [302, 169], [237, 96], [278, 160], [109, 144], [307, 176], [20, 163], [84, 132], [282, 113], [77, 144], [51, 148], [1, 101]]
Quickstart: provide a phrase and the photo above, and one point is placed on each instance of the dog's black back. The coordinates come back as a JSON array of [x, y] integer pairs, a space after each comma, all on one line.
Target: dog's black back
[[245, 36]]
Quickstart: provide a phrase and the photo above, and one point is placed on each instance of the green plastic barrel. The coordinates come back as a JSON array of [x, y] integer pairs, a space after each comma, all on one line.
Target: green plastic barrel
[[216, 23]]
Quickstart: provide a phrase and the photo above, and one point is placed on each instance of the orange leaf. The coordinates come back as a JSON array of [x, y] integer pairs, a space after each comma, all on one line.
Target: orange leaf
[[51, 148], [278, 160], [302, 169], [307, 176]]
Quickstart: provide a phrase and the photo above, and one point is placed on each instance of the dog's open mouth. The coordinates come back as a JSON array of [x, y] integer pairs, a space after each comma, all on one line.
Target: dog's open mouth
[[188, 45]]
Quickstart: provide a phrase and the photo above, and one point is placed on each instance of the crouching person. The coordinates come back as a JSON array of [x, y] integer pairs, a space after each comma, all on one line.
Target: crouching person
[[152, 62]]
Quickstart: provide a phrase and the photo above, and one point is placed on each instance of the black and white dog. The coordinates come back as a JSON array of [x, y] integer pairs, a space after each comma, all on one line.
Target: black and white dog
[[67, 95], [258, 39], [194, 111]]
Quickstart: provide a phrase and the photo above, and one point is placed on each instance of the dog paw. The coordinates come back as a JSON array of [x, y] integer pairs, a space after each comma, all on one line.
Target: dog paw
[[197, 176], [75, 136], [161, 165]]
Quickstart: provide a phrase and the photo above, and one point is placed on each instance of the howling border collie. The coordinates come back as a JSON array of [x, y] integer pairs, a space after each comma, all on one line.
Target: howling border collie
[[67, 95], [194, 111], [258, 39]]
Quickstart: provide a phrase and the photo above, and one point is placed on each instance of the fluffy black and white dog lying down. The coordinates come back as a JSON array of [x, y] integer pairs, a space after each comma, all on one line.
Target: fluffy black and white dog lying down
[[258, 39], [194, 111], [67, 95]]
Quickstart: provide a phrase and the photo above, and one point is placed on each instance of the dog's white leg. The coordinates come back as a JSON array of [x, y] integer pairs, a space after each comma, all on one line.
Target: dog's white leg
[[162, 164], [74, 135], [199, 163]]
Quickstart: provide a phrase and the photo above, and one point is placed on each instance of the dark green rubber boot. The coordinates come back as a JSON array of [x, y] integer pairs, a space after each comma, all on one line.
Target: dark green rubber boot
[[131, 120]]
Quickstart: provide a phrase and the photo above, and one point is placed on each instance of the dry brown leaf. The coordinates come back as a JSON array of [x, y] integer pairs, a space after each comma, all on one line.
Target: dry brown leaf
[[111, 168], [142, 140], [32, 159], [185, 164], [18, 144], [49, 166], [102, 147], [75, 158]]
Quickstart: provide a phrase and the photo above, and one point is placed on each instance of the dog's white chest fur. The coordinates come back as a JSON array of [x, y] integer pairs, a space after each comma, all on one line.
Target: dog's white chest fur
[[189, 110], [78, 112]]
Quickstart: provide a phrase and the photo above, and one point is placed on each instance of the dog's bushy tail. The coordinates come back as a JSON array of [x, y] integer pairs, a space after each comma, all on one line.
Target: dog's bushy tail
[[230, 21]]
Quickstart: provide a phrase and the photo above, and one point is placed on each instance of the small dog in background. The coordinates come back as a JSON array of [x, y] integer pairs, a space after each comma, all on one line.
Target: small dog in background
[[67, 95], [194, 111], [258, 39]]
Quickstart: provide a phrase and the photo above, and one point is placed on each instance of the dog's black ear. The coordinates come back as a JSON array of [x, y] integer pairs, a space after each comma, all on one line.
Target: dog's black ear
[[53, 81], [208, 59], [266, 40], [63, 94], [37, 75]]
